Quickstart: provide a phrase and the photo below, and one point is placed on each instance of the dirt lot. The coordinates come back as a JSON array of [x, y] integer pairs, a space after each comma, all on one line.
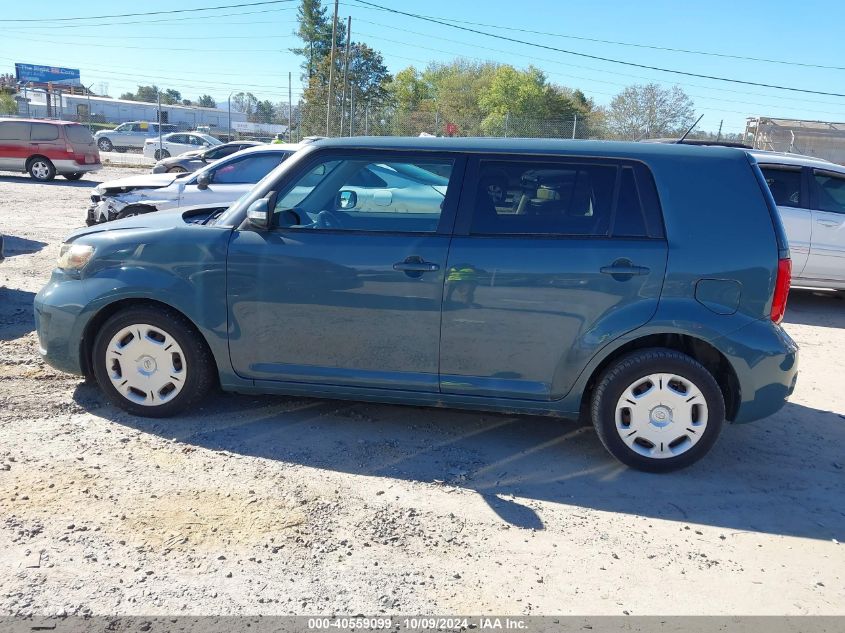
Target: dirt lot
[[275, 506]]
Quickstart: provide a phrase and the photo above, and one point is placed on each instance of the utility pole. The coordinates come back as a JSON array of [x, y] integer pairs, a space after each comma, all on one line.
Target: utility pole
[[331, 72], [345, 73], [160, 144], [719, 136], [290, 112]]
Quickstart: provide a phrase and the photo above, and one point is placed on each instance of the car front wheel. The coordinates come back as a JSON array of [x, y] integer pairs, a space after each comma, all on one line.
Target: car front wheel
[[657, 410], [151, 361]]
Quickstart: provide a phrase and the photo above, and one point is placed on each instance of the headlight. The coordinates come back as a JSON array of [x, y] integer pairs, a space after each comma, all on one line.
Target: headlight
[[74, 256]]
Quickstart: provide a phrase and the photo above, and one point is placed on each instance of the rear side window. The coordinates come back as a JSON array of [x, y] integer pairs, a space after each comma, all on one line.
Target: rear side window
[[44, 132], [830, 192], [785, 185], [14, 131], [565, 198], [78, 134]]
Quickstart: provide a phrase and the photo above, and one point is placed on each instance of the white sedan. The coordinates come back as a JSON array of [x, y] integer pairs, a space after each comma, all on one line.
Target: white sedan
[[177, 143]]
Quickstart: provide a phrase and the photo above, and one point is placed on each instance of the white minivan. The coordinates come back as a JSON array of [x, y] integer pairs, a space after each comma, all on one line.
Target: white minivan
[[216, 185], [810, 194]]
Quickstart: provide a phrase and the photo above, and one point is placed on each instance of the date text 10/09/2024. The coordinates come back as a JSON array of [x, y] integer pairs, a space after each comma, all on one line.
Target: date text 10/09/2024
[[417, 624]]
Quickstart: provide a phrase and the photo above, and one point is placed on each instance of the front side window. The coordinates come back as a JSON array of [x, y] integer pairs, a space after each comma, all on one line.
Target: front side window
[[830, 192], [247, 170], [363, 194], [785, 185], [126, 127], [14, 131]]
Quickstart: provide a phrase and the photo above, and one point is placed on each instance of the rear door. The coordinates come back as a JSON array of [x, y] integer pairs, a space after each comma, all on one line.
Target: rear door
[[551, 259], [14, 145], [47, 140], [827, 253], [787, 184]]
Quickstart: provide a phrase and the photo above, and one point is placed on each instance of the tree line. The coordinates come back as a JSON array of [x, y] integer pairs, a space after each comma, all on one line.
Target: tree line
[[460, 97]]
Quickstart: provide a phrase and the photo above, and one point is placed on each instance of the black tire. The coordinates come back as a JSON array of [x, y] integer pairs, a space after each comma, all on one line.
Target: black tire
[[161, 154], [623, 373], [105, 145], [75, 176], [41, 168], [200, 372], [132, 210], [176, 170]]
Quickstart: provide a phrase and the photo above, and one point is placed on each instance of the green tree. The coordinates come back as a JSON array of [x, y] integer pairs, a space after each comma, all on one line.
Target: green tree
[[650, 110], [265, 111], [206, 101], [244, 102], [315, 31], [8, 105], [455, 88]]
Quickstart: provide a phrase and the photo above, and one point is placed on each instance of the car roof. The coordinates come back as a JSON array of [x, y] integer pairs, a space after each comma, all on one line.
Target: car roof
[[20, 120], [784, 158], [615, 149], [264, 147]]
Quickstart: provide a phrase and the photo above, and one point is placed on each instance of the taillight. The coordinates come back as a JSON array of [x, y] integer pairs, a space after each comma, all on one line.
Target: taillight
[[781, 289], [69, 149]]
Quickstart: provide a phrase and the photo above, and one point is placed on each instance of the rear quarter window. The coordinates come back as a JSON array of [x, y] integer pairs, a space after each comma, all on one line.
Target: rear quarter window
[[78, 134]]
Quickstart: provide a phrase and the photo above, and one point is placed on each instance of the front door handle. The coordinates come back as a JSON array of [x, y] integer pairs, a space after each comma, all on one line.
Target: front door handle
[[624, 268], [828, 222], [416, 265]]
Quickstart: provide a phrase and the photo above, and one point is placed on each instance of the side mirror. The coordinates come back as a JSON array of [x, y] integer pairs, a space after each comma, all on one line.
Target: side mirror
[[258, 214], [346, 199], [203, 180], [206, 144]]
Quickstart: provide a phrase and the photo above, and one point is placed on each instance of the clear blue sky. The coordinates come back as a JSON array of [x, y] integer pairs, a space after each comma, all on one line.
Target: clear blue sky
[[247, 49]]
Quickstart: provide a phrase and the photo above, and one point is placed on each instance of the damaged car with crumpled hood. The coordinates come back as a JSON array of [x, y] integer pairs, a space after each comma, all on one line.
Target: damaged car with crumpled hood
[[216, 185]]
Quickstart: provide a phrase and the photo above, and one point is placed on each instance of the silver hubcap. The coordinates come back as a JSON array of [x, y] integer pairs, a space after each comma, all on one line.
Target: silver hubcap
[[146, 365], [40, 169], [661, 416], [105, 145]]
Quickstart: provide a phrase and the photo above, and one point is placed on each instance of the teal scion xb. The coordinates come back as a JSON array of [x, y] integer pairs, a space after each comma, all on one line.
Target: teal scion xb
[[638, 286]]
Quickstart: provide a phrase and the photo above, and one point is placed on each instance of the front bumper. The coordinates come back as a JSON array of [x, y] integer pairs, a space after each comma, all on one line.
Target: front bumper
[[60, 321]]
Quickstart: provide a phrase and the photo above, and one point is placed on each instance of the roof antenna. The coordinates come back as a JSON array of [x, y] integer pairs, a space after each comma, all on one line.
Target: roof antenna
[[691, 127]]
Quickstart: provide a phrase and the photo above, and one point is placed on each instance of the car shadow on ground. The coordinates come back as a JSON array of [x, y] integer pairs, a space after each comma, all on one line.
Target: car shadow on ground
[[824, 308], [782, 475], [16, 315], [20, 246], [58, 182]]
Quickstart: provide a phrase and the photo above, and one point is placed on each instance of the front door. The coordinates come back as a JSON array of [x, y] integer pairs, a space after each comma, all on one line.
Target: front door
[[827, 253], [547, 266], [346, 289], [230, 180]]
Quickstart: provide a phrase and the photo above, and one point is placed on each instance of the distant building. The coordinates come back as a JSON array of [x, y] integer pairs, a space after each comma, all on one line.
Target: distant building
[[813, 138], [71, 107]]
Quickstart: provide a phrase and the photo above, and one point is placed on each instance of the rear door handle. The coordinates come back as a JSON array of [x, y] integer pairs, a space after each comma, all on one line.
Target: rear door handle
[[828, 222]]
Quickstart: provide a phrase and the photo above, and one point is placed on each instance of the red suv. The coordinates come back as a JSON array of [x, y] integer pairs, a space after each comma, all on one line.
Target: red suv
[[47, 148]]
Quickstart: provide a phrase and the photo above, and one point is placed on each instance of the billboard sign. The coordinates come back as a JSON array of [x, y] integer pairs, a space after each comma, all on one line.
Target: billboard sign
[[47, 74]]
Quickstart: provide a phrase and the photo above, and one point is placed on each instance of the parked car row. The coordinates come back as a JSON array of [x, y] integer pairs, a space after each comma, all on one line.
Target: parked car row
[[602, 282]]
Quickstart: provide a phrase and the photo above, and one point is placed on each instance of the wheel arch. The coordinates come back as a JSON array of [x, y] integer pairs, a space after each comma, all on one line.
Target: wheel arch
[[86, 344], [33, 157], [705, 353]]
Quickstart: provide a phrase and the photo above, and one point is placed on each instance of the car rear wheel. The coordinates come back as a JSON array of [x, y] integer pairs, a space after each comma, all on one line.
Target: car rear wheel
[[657, 410], [151, 361], [41, 169], [105, 145], [75, 176]]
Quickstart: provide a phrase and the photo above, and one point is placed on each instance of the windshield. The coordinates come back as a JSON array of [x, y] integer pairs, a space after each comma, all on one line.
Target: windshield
[[210, 139]]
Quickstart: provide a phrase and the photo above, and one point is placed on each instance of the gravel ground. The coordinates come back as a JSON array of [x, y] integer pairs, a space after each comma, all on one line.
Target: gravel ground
[[265, 505]]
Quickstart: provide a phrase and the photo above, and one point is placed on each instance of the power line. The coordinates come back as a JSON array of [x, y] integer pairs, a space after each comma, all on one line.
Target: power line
[[146, 48], [134, 15], [601, 58], [632, 44]]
